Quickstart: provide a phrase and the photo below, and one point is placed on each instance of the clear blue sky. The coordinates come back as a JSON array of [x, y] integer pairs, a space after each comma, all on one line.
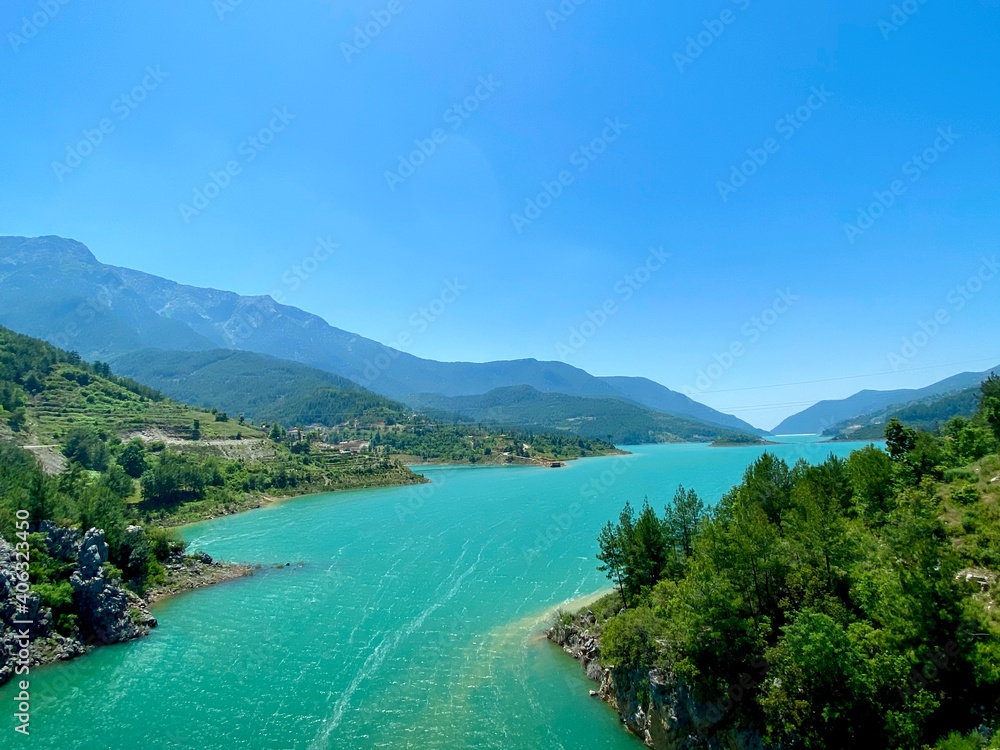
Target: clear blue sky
[[869, 97]]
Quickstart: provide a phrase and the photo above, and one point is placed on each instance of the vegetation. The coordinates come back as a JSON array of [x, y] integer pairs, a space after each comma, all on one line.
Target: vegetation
[[739, 439], [274, 392], [615, 420], [46, 394], [478, 445], [205, 464], [929, 414], [264, 389], [846, 604]]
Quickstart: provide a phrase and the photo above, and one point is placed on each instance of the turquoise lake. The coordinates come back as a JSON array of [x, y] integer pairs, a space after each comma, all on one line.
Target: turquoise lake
[[408, 618]]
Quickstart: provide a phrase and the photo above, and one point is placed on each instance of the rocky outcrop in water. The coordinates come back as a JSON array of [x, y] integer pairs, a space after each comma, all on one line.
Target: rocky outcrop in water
[[653, 704], [107, 612]]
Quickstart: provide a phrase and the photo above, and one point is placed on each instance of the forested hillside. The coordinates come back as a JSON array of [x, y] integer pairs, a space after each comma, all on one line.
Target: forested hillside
[[616, 420], [849, 604], [46, 392], [263, 388], [928, 414]]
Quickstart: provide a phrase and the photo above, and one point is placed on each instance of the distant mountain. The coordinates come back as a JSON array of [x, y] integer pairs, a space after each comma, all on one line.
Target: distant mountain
[[262, 388], [924, 413], [55, 289], [620, 421], [827, 414], [655, 396]]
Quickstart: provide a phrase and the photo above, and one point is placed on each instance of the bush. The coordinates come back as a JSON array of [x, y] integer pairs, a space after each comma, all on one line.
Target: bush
[[164, 542]]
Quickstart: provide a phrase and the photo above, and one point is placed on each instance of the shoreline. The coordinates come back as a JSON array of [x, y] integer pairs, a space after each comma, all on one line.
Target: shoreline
[[187, 574], [196, 574], [540, 461], [256, 501]]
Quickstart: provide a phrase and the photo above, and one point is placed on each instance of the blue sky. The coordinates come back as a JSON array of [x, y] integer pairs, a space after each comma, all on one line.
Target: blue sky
[[745, 139]]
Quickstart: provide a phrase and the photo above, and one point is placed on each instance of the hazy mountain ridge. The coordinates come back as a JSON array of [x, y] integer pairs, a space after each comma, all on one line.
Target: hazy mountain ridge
[[928, 413], [56, 289], [650, 393], [620, 421], [827, 414]]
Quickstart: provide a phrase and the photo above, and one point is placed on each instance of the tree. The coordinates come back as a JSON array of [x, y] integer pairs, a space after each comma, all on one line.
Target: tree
[[683, 519], [647, 554], [85, 447], [899, 439], [174, 479], [989, 404], [612, 557], [133, 458], [819, 687], [869, 471], [118, 482], [616, 542], [99, 508], [628, 641]]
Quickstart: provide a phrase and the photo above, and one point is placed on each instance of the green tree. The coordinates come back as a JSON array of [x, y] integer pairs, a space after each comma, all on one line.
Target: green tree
[[628, 641], [683, 520], [869, 472], [818, 690], [174, 479], [133, 458], [85, 447], [646, 558], [612, 556], [899, 439], [989, 404]]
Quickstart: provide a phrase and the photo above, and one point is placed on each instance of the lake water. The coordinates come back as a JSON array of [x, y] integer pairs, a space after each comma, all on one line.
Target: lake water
[[409, 618]]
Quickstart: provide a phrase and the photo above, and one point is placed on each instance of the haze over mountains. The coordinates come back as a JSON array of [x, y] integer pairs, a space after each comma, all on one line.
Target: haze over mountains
[[55, 289], [826, 414]]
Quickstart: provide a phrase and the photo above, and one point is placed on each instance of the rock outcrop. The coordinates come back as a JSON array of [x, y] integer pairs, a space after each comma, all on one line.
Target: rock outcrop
[[654, 704], [107, 612]]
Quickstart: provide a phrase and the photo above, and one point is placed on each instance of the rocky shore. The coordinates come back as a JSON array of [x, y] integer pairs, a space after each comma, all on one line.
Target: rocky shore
[[106, 612], [653, 704]]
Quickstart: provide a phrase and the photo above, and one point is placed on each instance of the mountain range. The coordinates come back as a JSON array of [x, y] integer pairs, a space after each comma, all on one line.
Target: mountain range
[[825, 415], [276, 362], [56, 289]]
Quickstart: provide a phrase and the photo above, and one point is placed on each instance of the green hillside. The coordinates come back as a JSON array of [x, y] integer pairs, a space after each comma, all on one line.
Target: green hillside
[[852, 602], [618, 421], [46, 392], [265, 389], [70, 412], [273, 391], [926, 414]]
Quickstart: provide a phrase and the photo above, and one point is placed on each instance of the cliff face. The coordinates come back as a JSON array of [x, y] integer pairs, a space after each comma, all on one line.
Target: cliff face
[[107, 613], [654, 704]]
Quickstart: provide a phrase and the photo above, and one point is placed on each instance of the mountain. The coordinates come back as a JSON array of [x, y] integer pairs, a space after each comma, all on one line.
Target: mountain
[[270, 390], [263, 388], [826, 414], [619, 421], [923, 413], [55, 289], [650, 393]]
